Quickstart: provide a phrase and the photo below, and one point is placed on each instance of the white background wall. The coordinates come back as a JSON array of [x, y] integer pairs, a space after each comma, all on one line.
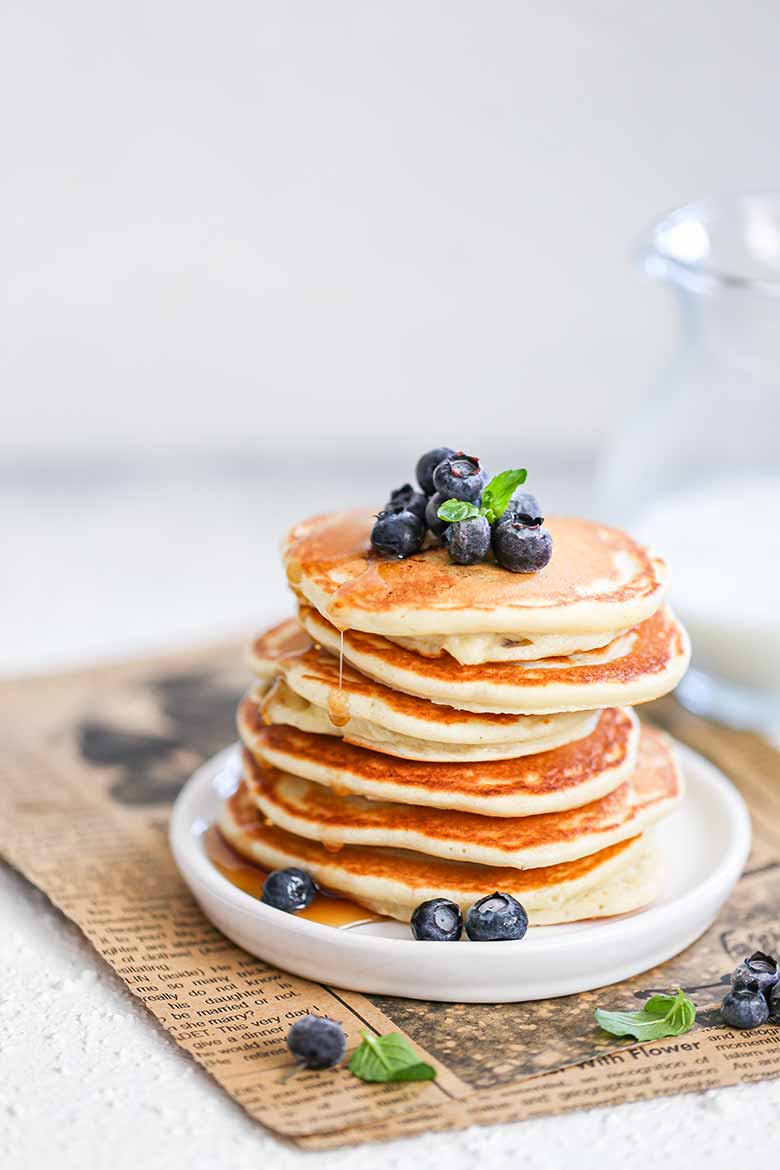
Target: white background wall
[[234, 233], [337, 223]]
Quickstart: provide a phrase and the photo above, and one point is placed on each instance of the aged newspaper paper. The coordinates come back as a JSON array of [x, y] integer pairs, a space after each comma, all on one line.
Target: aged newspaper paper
[[90, 764]]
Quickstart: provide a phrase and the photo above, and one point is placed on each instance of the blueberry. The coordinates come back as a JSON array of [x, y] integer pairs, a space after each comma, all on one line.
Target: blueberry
[[496, 918], [317, 1042], [460, 477], [745, 1007], [406, 499], [760, 969], [438, 920], [289, 890], [520, 547], [399, 534], [436, 525], [469, 540], [427, 464], [774, 1004], [523, 502]]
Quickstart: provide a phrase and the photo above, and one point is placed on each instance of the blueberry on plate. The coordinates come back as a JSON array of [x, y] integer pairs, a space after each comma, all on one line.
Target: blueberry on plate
[[496, 918], [427, 464], [460, 477], [436, 525], [398, 534], [290, 890], [745, 1006], [317, 1042], [521, 547], [438, 920], [406, 499], [468, 541], [760, 969]]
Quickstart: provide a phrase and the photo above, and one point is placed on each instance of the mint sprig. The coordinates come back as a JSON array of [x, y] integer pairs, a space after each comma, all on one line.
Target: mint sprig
[[454, 510], [662, 1015], [495, 499], [382, 1059]]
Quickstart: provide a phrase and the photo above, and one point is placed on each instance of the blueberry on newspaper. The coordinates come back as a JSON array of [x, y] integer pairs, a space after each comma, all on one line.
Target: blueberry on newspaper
[[759, 968], [317, 1042], [745, 1006], [754, 998]]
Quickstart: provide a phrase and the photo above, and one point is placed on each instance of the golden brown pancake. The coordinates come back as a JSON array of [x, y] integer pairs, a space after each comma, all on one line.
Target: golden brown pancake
[[394, 881], [314, 811], [434, 729], [651, 661], [284, 640], [563, 778], [280, 704], [598, 579]]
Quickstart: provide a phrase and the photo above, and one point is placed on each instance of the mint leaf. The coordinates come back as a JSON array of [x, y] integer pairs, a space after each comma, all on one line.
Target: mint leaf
[[388, 1058], [498, 492], [662, 1015], [678, 1011], [454, 510]]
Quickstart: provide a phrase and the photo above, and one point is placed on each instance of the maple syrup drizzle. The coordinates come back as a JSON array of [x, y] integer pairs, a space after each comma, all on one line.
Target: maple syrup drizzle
[[338, 702], [338, 708], [327, 909]]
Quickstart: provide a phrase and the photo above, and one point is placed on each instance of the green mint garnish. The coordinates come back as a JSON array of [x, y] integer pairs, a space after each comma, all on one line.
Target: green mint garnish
[[454, 510], [389, 1058], [495, 499], [498, 492], [662, 1015]]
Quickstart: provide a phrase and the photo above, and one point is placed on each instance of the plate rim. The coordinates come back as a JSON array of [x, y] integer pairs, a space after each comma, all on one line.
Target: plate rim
[[188, 855]]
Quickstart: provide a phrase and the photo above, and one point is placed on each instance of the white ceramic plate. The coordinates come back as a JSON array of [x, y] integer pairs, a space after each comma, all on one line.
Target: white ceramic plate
[[704, 846]]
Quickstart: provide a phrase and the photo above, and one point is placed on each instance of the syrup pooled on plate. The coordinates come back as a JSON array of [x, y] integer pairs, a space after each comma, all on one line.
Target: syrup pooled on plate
[[327, 909]]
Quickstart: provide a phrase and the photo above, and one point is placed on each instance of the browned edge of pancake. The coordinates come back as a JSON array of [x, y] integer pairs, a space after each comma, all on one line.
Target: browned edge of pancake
[[659, 641], [413, 870], [429, 581], [656, 781], [607, 747]]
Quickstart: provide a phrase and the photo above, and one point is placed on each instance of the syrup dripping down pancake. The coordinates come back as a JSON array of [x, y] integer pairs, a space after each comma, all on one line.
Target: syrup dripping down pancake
[[391, 721]]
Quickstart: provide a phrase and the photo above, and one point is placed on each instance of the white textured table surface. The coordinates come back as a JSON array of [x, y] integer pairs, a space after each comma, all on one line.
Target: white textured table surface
[[87, 1078]]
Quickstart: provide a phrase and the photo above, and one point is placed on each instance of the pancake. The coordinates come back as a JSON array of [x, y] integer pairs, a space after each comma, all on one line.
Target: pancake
[[284, 640], [599, 580], [282, 705], [567, 777], [389, 721], [472, 649], [311, 810], [393, 881], [643, 665]]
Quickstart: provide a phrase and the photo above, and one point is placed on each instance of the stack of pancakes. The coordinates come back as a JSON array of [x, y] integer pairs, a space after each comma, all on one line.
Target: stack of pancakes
[[427, 729]]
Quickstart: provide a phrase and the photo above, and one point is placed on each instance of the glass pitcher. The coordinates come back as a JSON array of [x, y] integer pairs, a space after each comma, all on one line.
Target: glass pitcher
[[696, 473]]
